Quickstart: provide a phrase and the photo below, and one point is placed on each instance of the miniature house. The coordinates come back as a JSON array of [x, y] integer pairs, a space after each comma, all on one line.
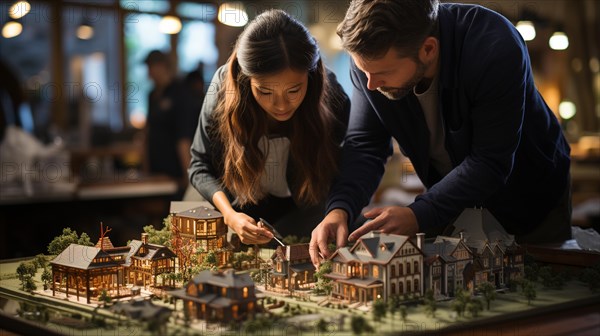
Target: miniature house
[[218, 296], [86, 270], [205, 228], [448, 265], [145, 262], [377, 266], [497, 257], [292, 267]]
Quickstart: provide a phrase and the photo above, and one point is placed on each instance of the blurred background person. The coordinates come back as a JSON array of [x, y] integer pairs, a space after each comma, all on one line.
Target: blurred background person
[[172, 120]]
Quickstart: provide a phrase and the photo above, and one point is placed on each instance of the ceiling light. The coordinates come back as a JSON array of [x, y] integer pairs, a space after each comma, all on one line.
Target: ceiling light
[[169, 25], [233, 14], [19, 9], [85, 32], [559, 41], [11, 29], [566, 109], [526, 29]]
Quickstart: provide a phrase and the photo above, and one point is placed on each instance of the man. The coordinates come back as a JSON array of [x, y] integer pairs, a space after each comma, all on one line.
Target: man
[[171, 122], [453, 85]]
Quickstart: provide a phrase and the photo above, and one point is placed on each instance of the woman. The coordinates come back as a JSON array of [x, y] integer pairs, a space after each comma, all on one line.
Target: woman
[[269, 135]]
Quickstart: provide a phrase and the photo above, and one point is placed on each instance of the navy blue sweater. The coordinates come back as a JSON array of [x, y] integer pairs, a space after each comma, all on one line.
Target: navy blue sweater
[[507, 148]]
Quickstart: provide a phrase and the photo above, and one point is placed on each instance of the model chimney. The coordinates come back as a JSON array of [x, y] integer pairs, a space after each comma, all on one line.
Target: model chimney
[[420, 237], [461, 235], [144, 238]]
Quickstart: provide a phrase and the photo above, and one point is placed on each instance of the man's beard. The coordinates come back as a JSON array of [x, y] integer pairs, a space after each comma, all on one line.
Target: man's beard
[[397, 93]]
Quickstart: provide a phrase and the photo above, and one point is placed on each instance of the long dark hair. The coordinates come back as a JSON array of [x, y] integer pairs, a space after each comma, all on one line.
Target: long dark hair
[[273, 42]]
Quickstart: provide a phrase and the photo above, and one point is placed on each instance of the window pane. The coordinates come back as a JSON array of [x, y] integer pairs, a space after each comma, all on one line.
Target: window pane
[[27, 56], [157, 6], [202, 12], [197, 44], [141, 36], [92, 67]]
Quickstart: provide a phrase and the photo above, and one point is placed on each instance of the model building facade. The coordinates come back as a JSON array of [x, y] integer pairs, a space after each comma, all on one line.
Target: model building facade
[[448, 265], [497, 257], [218, 296], [87, 270], [292, 267], [377, 266], [205, 228], [145, 262]]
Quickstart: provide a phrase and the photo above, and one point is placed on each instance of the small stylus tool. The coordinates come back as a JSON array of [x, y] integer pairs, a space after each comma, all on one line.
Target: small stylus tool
[[276, 235]]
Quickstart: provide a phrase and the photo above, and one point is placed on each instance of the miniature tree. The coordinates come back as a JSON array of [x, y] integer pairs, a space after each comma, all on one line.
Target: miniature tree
[[84, 240], [488, 291], [430, 303], [324, 284], [104, 297], [25, 273], [46, 277], [591, 277], [210, 259], [474, 306], [290, 240], [322, 325], [551, 280], [379, 309], [28, 284], [185, 250], [393, 304], [40, 261], [403, 312], [528, 290], [162, 236], [461, 298], [238, 258], [360, 325], [66, 238]]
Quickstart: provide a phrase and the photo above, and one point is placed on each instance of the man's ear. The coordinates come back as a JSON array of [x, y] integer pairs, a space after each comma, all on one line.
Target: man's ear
[[429, 49]]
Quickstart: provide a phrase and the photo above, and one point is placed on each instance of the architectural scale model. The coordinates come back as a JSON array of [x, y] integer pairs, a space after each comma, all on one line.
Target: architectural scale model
[[87, 270], [377, 267], [202, 227], [381, 265], [292, 267], [218, 296]]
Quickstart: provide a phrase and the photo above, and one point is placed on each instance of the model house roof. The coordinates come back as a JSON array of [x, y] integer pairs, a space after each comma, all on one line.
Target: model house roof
[[80, 256], [444, 248], [180, 206], [200, 213], [228, 279], [292, 253], [104, 243], [480, 225], [154, 252], [375, 247]]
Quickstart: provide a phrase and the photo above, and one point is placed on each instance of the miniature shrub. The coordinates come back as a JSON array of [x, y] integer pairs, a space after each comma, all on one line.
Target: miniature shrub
[[322, 325], [591, 277], [360, 325], [513, 285]]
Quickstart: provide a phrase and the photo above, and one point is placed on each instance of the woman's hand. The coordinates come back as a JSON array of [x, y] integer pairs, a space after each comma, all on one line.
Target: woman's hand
[[247, 229]]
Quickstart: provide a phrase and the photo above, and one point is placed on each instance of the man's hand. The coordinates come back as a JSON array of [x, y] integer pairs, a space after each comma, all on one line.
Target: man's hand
[[393, 219], [247, 229], [333, 226]]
